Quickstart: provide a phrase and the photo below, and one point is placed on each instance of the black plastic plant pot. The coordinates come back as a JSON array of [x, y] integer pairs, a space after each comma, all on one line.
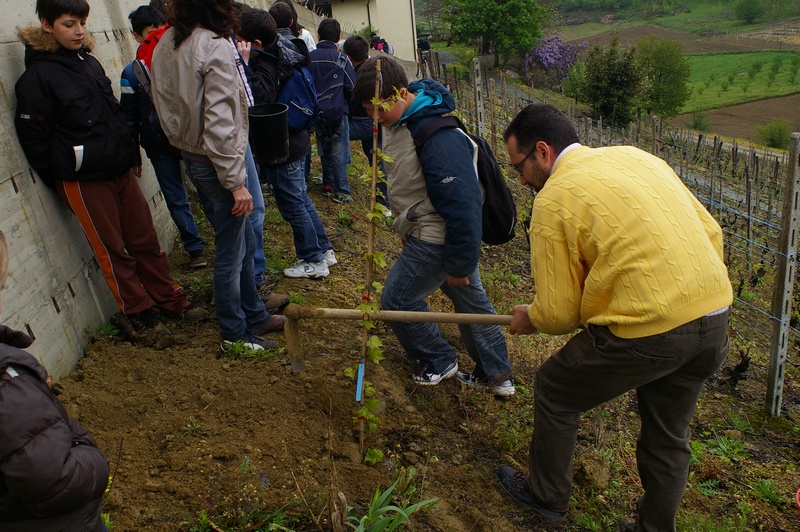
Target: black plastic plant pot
[[269, 133]]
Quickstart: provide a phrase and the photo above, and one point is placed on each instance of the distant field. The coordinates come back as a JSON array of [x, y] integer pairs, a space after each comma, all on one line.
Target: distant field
[[740, 121], [720, 80]]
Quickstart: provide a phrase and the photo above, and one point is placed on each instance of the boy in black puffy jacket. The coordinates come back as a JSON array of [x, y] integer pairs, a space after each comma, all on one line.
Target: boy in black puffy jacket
[[52, 475], [75, 136]]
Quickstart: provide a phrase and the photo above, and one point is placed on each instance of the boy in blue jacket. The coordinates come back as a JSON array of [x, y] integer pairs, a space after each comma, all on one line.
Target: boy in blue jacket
[[436, 202]]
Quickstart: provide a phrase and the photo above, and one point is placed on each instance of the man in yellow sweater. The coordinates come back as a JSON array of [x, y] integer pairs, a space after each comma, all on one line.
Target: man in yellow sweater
[[623, 250]]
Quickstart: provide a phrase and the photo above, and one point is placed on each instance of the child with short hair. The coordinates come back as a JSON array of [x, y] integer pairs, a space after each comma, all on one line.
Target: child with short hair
[[52, 472], [436, 199], [271, 62], [75, 136], [146, 132]]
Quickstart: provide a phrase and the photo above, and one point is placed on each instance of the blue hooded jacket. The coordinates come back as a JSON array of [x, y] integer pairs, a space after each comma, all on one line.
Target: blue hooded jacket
[[452, 184]]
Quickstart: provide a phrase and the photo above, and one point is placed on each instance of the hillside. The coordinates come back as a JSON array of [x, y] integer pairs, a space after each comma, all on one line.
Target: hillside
[[199, 442]]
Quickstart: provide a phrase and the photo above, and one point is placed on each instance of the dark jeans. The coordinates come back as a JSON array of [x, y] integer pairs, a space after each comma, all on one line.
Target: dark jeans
[[417, 273], [333, 145], [667, 370], [170, 178], [236, 298], [291, 196]]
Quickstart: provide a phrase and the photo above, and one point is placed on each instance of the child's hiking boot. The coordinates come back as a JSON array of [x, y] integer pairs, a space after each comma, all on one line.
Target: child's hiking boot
[[144, 326], [428, 378], [273, 302], [274, 323], [515, 484], [308, 270], [330, 258], [500, 389], [256, 343]]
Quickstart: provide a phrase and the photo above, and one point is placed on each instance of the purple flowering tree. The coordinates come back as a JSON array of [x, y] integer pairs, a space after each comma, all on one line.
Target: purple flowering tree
[[554, 57]]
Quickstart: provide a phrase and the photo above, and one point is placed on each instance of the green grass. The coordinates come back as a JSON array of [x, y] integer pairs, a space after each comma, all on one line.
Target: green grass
[[719, 80]]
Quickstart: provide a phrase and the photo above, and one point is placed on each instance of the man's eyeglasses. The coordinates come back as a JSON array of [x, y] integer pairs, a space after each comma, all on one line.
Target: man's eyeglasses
[[518, 166]]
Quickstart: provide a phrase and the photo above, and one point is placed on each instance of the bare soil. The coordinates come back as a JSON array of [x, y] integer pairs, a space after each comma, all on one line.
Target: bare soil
[[741, 121], [188, 431]]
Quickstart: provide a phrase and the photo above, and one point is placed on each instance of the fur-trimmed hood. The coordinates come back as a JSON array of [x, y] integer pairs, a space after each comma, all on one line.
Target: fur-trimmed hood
[[36, 39]]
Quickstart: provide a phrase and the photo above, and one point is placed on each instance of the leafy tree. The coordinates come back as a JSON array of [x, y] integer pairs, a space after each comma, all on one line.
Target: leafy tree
[[509, 27], [775, 134], [554, 56], [429, 15], [612, 81], [665, 75], [575, 81], [749, 10]]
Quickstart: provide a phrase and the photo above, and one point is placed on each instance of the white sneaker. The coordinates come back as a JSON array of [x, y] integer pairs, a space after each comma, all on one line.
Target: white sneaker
[[330, 258], [308, 270]]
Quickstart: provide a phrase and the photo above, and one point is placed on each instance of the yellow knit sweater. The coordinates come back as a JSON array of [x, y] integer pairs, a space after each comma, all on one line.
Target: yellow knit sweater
[[618, 240]]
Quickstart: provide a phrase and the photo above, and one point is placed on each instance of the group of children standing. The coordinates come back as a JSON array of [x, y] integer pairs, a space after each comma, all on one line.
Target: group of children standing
[[185, 100]]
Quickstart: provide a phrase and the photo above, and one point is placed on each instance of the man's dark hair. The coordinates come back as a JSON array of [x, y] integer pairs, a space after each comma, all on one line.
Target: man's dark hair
[[218, 16], [393, 74], [295, 26], [144, 16], [162, 6], [539, 121], [357, 48], [329, 30], [282, 13], [258, 24], [50, 10]]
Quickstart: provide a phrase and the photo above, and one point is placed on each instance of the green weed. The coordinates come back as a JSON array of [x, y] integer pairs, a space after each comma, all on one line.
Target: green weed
[[193, 428], [709, 487], [238, 350], [297, 298], [382, 514], [106, 330], [767, 491], [728, 449], [345, 219]]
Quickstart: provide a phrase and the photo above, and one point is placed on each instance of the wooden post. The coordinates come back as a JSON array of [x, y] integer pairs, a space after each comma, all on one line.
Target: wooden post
[[784, 279], [477, 80], [295, 313]]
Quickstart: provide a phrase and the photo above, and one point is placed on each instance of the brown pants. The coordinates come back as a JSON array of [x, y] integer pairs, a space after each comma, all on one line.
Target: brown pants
[[116, 220], [667, 370]]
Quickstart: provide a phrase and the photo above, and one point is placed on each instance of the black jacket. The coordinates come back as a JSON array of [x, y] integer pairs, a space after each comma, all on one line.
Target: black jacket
[[52, 475], [68, 121]]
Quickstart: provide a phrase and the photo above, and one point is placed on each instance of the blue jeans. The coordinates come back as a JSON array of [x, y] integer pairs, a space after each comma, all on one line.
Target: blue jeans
[[291, 196], [256, 217], [416, 274], [334, 154], [361, 129], [235, 294], [170, 179]]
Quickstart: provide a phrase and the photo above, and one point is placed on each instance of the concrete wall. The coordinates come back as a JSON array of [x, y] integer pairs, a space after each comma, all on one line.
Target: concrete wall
[[55, 289]]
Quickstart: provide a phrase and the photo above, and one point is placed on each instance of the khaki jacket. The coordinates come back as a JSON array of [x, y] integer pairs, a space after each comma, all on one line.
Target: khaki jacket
[[201, 101]]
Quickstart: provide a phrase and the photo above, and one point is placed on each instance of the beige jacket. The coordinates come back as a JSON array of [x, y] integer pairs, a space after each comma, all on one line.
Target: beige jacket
[[201, 101]]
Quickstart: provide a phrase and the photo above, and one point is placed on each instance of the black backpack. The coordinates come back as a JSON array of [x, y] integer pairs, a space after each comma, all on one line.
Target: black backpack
[[499, 210], [299, 94], [330, 92]]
